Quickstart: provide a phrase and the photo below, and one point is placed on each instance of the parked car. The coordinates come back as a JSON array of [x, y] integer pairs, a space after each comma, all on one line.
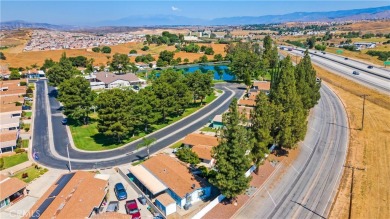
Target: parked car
[[355, 72], [64, 121], [345, 58], [132, 209], [324, 53], [112, 206], [370, 67], [120, 191], [136, 87]]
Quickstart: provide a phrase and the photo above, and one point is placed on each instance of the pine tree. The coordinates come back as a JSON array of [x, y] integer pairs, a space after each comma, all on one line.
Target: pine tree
[[262, 124], [306, 83], [231, 159], [291, 121]]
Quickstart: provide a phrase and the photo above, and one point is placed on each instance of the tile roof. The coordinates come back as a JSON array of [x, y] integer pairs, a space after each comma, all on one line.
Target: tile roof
[[173, 173], [242, 102], [11, 99], [110, 215], [108, 77], [8, 136], [203, 151], [196, 139], [77, 199], [262, 85], [9, 186], [165, 199], [12, 92], [253, 95], [5, 108], [247, 110]]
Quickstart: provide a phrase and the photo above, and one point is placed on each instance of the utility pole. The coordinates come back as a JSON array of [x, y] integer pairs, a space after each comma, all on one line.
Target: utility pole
[[67, 150], [364, 103], [351, 191]]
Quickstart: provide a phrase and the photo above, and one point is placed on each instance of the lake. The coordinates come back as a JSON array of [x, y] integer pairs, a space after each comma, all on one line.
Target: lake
[[221, 72]]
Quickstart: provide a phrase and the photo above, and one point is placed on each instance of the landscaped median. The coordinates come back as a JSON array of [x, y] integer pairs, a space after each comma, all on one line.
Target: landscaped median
[[87, 137]]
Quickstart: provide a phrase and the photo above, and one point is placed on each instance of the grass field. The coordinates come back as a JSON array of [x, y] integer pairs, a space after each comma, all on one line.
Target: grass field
[[208, 129], [368, 26], [176, 145], [32, 173], [361, 55], [13, 160], [88, 138], [25, 143], [367, 149]]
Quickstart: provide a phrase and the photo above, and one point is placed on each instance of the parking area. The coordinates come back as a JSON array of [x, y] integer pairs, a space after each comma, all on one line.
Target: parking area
[[131, 194]]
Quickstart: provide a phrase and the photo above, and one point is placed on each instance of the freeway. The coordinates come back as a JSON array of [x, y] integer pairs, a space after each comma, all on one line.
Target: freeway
[[50, 138], [308, 186], [377, 81]]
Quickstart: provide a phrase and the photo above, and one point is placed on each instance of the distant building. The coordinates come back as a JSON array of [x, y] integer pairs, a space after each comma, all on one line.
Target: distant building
[[264, 86], [217, 121], [75, 195], [364, 45], [110, 80], [191, 38]]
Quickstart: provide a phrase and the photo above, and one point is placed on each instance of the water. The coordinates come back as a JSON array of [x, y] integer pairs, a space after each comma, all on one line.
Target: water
[[217, 69]]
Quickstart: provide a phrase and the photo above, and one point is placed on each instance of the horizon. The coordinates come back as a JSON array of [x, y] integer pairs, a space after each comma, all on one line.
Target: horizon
[[53, 12]]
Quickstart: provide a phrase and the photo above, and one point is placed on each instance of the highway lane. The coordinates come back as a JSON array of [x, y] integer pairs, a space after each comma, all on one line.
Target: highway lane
[[360, 65], [307, 187], [55, 155], [374, 81]]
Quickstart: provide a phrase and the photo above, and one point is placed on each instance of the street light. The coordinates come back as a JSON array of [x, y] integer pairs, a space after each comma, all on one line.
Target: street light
[[67, 150]]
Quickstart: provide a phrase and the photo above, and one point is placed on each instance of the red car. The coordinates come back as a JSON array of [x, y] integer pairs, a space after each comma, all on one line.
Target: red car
[[132, 209]]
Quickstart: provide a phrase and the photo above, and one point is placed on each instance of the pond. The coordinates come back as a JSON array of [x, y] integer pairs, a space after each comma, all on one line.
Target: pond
[[221, 72]]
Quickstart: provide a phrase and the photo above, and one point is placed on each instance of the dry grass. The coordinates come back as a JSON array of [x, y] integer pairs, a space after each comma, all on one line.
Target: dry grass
[[368, 26], [367, 149], [360, 55], [16, 58]]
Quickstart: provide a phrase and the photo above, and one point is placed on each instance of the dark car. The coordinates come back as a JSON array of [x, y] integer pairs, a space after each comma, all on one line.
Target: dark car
[[355, 72], [370, 67], [64, 121], [132, 209], [345, 58], [120, 191], [324, 53], [136, 87], [112, 206]]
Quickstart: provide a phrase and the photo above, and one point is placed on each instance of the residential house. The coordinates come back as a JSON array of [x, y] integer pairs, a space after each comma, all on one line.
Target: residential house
[[75, 195], [11, 190], [264, 86], [202, 145], [111, 80], [216, 122], [168, 181], [8, 140], [246, 102], [204, 154], [364, 45]]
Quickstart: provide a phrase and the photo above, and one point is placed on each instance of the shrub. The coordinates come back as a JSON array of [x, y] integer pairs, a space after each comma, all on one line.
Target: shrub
[[145, 48], [187, 155], [27, 129], [96, 49], [23, 83], [19, 150], [106, 49], [18, 104], [133, 51]]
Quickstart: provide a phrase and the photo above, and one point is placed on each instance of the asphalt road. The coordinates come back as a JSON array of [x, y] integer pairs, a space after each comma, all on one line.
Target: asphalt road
[[376, 78], [49, 141], [308, 186]]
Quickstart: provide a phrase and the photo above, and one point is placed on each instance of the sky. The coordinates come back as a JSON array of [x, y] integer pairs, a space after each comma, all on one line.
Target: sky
[[88, 11]]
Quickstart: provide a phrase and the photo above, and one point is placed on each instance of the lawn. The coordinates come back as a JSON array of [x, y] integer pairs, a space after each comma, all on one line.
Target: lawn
[[13, 160], [208, 129], [176, 145], [25, 143], [28, 114], [32, 173], [87, 137]]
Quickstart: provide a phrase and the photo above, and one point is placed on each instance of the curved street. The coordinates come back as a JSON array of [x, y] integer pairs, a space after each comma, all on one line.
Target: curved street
[[49, 144], [309, 184]]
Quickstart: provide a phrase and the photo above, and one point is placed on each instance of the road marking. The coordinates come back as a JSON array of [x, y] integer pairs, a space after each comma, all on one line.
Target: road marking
[[307, 146], [294, 168], [314, 129], [270, 196]]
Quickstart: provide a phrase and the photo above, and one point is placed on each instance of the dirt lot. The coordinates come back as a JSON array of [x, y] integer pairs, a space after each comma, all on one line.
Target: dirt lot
[[368, 26], [369, 149]]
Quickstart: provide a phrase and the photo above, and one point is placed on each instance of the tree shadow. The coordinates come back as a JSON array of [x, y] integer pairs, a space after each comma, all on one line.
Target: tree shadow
[[332, 123], [53, 93], [309, 209]]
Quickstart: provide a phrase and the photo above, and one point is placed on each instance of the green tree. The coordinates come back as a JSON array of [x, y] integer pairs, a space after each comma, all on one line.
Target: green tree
[[120, 62], [209, 51], [61, 71], [186, 60], [48, 63], [200, 84], [15, 75], [133, 51], [2, 56], [79, 61], [116, 119], [146, 142], [165, 57], [270, 54], [306, 84], [145, 108], [203, 59], [231, 156], [106, 49], [185, 154], [96, 49], [76, 96], [218, 57], [311, 42], [291, 120], [148, 39], [145, 48], [262, 125]]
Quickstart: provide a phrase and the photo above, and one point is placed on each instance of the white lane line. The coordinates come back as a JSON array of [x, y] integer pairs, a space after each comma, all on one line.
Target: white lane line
[[270, 196], [294, 168], [314, 129], [58, 156], [307, 146]]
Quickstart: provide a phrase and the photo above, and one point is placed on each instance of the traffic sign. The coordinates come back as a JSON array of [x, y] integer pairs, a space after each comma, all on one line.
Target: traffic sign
[[386, 63], [339, 51]]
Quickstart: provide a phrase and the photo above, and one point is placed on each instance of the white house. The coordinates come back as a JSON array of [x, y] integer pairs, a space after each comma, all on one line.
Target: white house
[[109, 80]]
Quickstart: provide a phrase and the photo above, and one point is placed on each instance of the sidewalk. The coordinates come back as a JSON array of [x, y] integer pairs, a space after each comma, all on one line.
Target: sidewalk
[[14, 169]]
